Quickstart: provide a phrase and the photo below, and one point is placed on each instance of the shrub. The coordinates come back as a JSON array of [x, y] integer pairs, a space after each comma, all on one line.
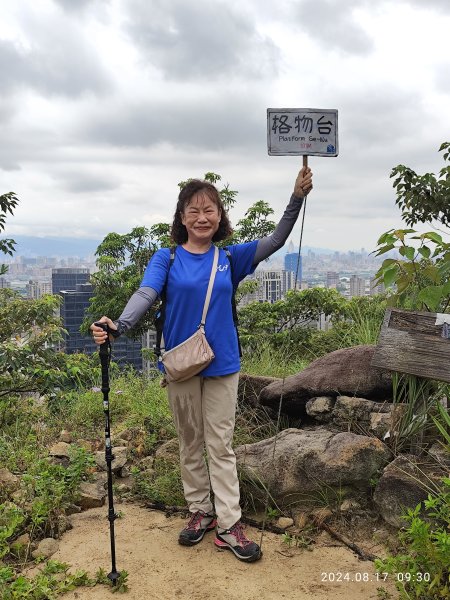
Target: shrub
[[422, 568]]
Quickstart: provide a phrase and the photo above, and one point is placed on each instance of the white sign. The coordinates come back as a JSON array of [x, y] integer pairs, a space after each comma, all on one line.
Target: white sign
[[302, 131]]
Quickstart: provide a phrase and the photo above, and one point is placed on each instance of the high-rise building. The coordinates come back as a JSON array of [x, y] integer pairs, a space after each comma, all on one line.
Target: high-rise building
[[272, 286], [293, 263], [332, 279], [37, 289], [73, 307], [357, 286], [68, 279]]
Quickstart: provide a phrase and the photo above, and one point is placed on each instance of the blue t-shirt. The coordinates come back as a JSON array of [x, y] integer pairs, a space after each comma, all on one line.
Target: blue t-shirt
[[186, 292]]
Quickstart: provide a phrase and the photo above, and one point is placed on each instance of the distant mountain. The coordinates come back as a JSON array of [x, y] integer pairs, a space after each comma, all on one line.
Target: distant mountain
[[32, 247]]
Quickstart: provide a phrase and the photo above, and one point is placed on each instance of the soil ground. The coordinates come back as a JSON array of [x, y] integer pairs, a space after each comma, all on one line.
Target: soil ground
[[160, 569]]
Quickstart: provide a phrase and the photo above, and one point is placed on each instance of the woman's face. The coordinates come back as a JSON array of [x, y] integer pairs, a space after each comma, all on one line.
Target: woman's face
[[201, 217]]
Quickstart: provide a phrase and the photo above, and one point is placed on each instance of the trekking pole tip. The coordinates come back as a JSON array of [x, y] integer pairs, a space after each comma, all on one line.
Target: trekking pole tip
[[113, 577]]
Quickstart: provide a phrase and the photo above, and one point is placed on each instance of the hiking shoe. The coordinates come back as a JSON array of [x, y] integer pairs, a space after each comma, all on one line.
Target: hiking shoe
[[234, 539], [198, 525]]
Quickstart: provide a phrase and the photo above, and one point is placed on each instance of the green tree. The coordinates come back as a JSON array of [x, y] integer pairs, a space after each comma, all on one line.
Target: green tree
[[121, 259], [255, 223], [421, 274], [27, 328], [29, 362], [296, 311], [121, 262], [424, 198], [8, 203]]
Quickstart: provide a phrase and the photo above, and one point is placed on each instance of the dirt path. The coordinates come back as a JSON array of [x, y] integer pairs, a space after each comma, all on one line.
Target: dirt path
[[160, 569]]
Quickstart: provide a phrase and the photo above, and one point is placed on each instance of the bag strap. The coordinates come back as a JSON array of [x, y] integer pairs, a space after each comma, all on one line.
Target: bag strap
[[210, 285], [233, 301]]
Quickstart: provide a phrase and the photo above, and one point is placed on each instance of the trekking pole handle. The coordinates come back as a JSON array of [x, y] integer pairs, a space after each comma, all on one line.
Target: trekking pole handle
[[105, 327], [113, 332]]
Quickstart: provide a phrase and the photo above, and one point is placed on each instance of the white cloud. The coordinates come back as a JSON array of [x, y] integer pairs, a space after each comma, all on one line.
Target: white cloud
[[107, 105]]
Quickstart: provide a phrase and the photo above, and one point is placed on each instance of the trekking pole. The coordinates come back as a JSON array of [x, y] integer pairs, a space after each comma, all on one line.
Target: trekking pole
[[280, 403], [105, 359]]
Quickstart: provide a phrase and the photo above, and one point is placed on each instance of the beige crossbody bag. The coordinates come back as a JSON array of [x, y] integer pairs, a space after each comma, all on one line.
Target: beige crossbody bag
[[194, 354]]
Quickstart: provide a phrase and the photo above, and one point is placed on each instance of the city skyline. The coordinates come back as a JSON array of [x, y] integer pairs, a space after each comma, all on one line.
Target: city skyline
[[33, 247]]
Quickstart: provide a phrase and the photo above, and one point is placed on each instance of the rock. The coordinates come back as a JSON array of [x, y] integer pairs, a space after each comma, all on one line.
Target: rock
[[124, 472], [65, 436], [440, 454], [85, 444], [301, 520], [21, 546], [148, 474], [400, 487], [120, 458], [101, 479], [349, 410], [63, 524], [320, 408], [91, 496], [344, 372], [62, 461], [321, 514], [284, 522], [9, 481], [146, 463], [23, 540], [307, 461], [380, 424], [46, 548], [250, 387], [19, 497], [123, 488], [72, 509], [97, 444], [133, 435], [121, 442], [60, 450], [128, 434], [348, 505], [169, 451]]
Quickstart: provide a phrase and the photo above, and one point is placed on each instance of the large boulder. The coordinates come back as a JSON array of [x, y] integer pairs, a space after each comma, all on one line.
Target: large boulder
[[405, 482], [306, 461], [345, 372]]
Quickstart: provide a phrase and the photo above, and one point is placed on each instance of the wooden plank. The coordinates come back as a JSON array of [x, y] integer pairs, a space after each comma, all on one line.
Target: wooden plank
[[410, 342]]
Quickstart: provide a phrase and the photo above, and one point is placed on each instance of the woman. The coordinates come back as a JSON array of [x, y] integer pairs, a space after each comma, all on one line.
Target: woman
[[204, 406]]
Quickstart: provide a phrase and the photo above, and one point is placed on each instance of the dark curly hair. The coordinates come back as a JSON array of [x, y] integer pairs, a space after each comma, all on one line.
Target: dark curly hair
[[178, 233]]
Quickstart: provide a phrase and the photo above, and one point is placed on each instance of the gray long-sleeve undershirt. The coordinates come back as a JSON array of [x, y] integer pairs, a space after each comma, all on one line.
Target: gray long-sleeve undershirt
[[144, 297]]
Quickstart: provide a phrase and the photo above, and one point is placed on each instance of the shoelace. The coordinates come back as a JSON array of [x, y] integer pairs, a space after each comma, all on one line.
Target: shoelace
[[195, 520], [238, 531]]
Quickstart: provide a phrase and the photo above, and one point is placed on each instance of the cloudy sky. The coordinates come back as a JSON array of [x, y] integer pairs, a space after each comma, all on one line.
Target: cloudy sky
[[105, 105]]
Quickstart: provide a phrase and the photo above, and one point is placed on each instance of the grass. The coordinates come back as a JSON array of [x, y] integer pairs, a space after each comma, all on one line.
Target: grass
[[139, 404], [267, 361]]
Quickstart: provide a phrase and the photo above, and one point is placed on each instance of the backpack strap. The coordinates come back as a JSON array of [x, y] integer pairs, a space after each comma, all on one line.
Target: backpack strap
[[233, 301], [160, 314]]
